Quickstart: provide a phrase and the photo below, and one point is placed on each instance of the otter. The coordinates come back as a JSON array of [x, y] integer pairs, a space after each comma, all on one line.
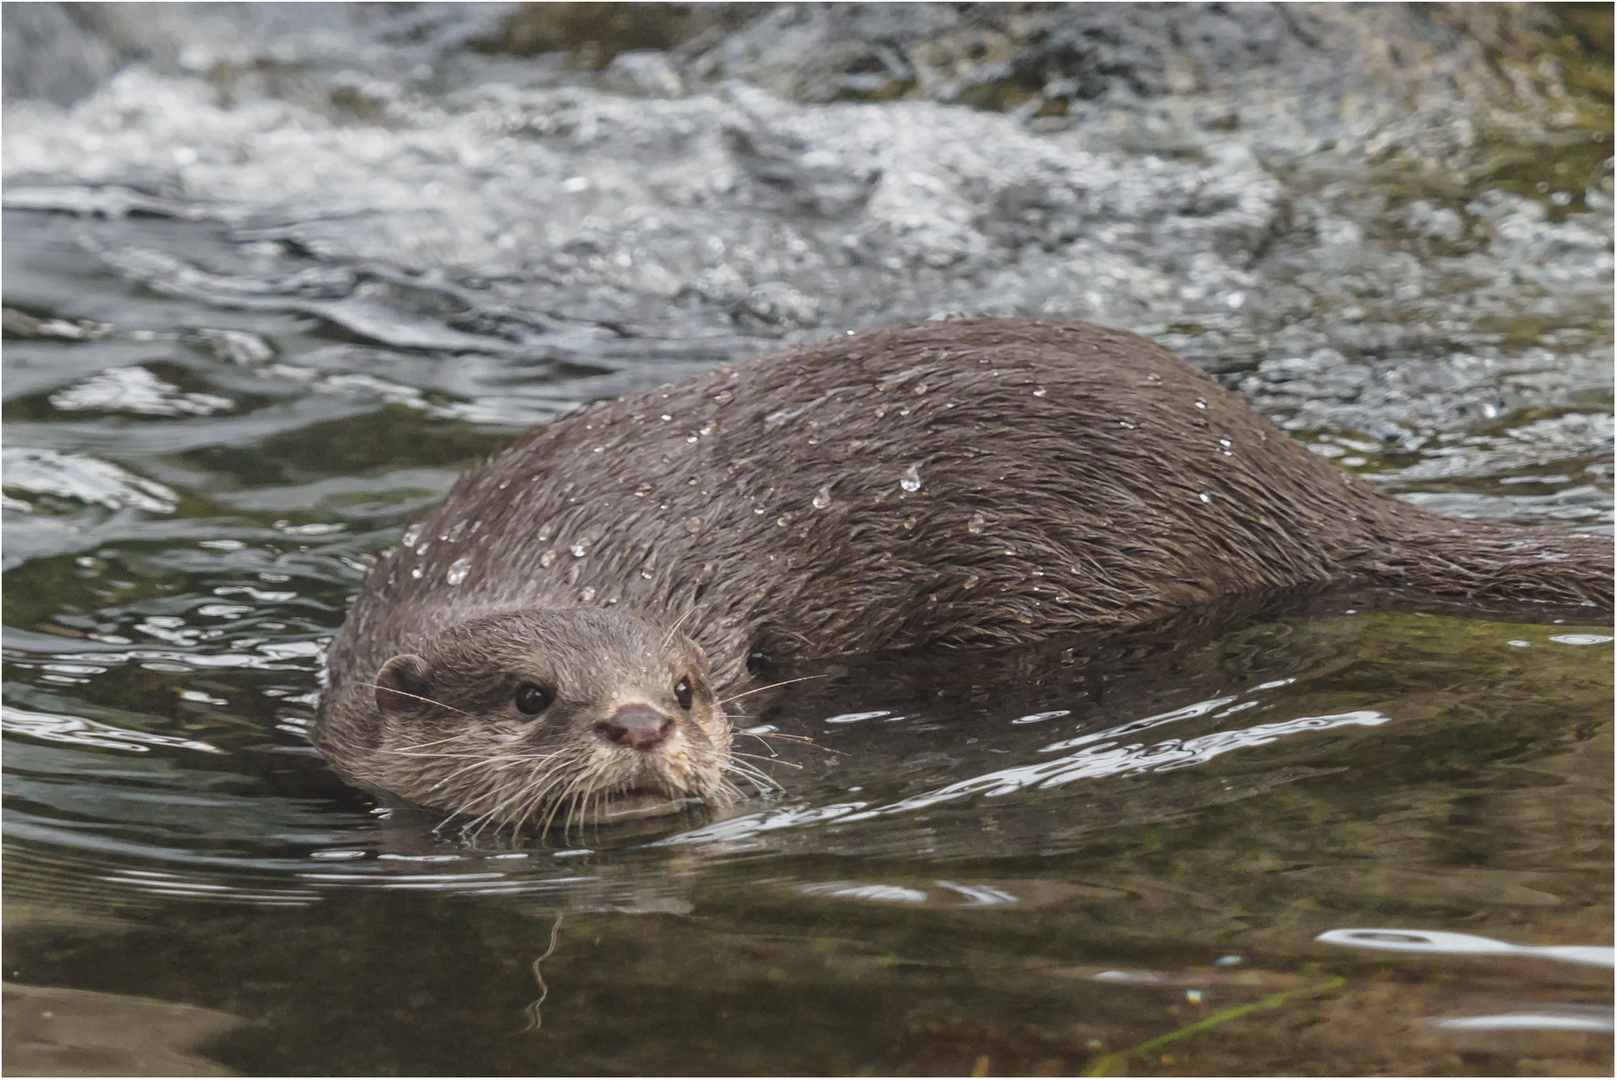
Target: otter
[[556, 637]]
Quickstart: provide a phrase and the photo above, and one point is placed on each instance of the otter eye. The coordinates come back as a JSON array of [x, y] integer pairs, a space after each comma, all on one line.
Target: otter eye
[[682, 691], [532, 699]]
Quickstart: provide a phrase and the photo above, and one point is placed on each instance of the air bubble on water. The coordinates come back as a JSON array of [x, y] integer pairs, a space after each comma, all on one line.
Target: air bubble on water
[[457, 571], [911, 480], [411, 535], [548, 558], [822, 498], [977, 524]]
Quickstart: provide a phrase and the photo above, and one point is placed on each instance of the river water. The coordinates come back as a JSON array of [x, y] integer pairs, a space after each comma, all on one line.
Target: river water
[[273, 276]]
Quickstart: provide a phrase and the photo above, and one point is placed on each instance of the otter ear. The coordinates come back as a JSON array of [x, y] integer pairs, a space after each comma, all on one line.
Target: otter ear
[[401, 684]]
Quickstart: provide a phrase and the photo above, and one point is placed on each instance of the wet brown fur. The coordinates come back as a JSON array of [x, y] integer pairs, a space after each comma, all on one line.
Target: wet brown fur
[[1065, 477]]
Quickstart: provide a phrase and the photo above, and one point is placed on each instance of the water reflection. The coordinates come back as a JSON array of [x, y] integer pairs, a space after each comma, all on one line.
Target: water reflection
[[1435, 941]]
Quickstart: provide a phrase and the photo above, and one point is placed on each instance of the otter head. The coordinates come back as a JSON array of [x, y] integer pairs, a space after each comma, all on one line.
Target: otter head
[[542, 717]]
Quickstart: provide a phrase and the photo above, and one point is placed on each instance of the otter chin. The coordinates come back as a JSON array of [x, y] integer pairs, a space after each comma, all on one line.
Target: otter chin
[[546, 717], [547, 645]]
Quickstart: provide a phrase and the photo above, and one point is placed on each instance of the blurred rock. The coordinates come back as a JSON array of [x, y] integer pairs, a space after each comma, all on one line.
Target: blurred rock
[[56, 1032]]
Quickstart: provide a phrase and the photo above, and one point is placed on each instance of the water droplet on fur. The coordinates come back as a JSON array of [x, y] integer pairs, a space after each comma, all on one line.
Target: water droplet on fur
[[784, 520], [1038, 391], [457, 571], [454, 532], [708, 428], [911, 480], [899, 378], [546, 531], [598, 450], [976, 525], [693, 524], [723, 397], [1125, 423], [587, 594], [411, 535], [822, 498], [642, 491], [1206, 498], [690, 438], [1201, 404], [971, 582], [909, 522], [547, 559], [580, 549], [422, 550], [415, 572]]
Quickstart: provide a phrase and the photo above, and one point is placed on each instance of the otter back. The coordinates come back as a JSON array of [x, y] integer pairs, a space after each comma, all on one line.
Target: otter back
[[979, 482]]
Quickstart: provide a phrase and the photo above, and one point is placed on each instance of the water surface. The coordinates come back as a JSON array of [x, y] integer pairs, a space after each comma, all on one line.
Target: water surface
[[264, 301]]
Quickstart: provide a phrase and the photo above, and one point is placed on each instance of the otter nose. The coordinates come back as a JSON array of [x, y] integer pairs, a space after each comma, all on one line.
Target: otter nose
[[638, 726]]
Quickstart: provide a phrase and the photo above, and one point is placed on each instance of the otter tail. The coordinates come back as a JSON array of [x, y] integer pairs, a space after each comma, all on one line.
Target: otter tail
[[1482, 560]]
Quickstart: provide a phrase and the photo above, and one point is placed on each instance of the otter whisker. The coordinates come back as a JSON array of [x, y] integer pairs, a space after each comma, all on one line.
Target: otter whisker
[[498, 762], [771, 686], [767, 735], [418, 697], [459, 736], [538, 792], [771, 758], [757, 776], [522, 788]]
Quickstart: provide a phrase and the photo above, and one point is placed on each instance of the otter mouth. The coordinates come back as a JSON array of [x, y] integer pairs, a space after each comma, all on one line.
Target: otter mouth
[[633, 804]]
